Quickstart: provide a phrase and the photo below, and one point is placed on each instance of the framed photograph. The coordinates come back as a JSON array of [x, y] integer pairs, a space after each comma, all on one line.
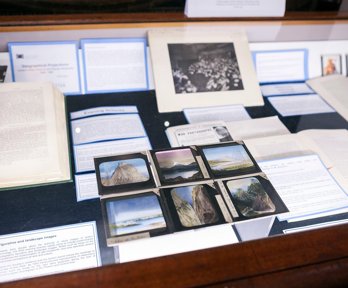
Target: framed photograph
[[123, 173], [176, 166], [202, 68], [230, 159], [193, 206], [135, 214], [254, 197], [331, 64], [3, 69]]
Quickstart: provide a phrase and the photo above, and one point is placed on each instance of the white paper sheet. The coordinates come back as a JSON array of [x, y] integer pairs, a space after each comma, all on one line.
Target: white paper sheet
[[86, 186], [300, 105], [332, 147], [85, 154], [217, 113], [292, 62], [305, 186], [56, 62], [177, 243], [114, 64], [234, 8], [49, 251], [285, 89], [198, 134], [107, 127], [255, 128], [103, 110]]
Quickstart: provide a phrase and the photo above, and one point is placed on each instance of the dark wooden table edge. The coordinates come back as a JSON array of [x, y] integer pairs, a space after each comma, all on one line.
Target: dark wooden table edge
[[316, 256], [112, 18]]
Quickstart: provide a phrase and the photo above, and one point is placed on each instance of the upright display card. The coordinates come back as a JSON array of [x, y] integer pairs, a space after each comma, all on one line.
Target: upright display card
[[56, 62], [293, 62], [234, 8], [202, 68], [114, 64]]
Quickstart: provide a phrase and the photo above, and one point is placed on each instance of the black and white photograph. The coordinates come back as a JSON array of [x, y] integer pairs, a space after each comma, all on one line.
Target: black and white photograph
[[222, 133], [3, 69], [204, 67], [194, 69]]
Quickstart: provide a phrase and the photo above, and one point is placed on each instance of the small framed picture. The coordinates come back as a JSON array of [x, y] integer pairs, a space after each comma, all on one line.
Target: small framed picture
[[3, 69], [177, 166], [253, 197], [134, 216], [193, 206], [230, 159], [331, 64], [123, 173]]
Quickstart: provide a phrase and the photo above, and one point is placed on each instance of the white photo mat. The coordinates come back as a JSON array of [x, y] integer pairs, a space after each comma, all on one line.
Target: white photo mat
[[167, 98]]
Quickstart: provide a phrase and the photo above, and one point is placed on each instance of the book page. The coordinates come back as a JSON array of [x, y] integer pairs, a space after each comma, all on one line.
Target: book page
[[333, 89], [332, 147], [275, 147], [33, 135], [305, 186], [256, 128]]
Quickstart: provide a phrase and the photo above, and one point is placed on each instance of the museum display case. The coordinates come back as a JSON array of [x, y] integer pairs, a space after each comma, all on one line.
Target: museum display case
[[316, 257]]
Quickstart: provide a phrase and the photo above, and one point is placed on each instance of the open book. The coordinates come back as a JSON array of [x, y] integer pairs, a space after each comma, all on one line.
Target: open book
[[34, 141]]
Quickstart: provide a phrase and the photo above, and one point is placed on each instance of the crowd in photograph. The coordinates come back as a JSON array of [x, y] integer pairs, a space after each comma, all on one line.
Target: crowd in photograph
[[220, 74]]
